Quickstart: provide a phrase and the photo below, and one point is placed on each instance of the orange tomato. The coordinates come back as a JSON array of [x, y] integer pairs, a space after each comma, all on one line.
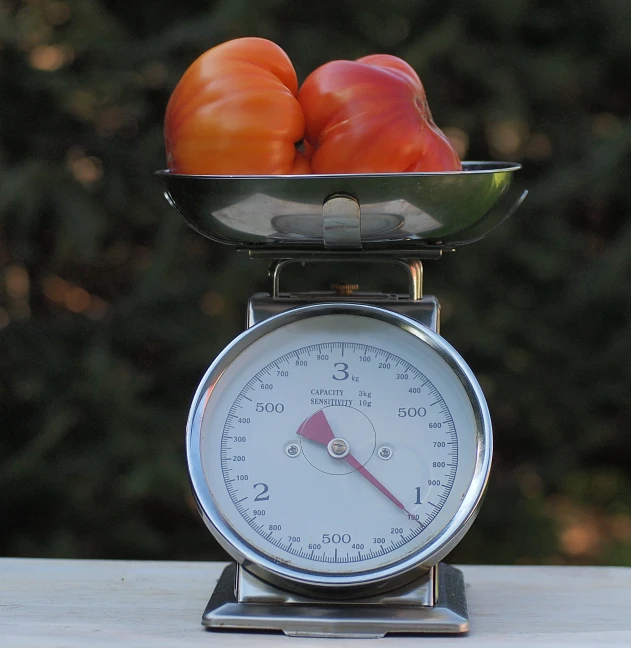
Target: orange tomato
[[235, 112], [372, 116]]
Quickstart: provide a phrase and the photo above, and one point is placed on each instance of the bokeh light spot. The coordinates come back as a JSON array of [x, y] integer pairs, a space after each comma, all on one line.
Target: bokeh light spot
[[459, 140], [17, 282], [77, 299], [212, 303], [49, 58]]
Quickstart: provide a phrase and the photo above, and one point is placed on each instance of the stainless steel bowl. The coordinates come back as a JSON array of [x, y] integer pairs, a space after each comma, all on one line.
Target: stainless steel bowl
[[355, 211]]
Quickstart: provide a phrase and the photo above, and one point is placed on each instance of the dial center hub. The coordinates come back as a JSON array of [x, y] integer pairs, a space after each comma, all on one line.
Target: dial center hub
[[349, 431], [338, 448]]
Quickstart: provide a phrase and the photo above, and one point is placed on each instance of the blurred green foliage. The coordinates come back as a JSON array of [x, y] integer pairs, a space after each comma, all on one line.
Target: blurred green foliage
[[111, 309]]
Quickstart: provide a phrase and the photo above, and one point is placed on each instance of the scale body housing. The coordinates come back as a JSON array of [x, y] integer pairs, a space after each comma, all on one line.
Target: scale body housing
[[428, 597], [433, 602]]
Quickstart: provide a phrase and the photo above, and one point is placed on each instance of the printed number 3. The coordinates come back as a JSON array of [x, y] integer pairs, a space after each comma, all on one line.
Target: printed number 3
[[341, 368]]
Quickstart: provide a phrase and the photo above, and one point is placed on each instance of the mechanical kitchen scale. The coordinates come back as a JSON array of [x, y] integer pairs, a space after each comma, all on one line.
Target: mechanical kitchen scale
[[339, 448]]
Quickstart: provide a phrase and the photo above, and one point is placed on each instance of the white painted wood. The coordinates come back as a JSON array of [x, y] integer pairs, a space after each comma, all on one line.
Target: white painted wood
[[93, 603]]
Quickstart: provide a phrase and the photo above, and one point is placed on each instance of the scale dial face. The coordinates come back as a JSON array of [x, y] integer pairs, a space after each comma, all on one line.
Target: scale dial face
[[338, 445]]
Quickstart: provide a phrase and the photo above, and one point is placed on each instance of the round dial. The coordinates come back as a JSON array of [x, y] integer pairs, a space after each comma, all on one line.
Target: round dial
[[338, 445]]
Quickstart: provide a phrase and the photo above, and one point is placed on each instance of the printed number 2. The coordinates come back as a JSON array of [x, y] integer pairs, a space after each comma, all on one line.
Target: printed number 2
[[261, 496], [341, 368]]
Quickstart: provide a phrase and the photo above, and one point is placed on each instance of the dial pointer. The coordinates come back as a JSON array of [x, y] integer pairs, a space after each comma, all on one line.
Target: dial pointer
[[364, 472], [317, 428]]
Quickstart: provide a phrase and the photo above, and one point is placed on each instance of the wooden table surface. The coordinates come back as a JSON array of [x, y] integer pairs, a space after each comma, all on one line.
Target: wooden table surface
[[85, 603]]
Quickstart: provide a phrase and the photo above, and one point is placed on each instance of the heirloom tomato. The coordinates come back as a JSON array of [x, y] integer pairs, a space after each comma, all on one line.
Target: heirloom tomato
[[372, 116], [235, 112]]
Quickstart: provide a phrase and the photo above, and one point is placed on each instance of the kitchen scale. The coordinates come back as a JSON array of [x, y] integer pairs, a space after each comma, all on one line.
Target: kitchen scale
[[339, 448]]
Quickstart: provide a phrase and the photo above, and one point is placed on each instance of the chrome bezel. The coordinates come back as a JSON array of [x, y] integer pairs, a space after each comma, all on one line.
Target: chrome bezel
[[400, 570]]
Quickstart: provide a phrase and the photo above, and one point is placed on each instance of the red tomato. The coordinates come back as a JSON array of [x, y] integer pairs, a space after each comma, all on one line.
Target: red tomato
[[372, 116], [235, 112]]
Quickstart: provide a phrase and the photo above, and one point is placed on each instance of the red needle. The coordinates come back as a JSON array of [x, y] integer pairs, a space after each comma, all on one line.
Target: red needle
[[317, 428]]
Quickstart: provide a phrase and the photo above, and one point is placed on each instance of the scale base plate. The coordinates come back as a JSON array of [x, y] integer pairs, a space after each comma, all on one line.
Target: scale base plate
[[448, 614]]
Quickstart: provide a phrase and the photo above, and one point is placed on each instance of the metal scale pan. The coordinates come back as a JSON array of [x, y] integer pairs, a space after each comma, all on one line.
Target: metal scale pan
[[380, 212]]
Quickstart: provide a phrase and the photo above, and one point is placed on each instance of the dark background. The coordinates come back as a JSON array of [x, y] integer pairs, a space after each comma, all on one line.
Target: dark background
[[111, 308]]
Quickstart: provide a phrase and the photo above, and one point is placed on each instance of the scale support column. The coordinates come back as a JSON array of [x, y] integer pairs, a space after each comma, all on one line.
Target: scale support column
[[425, 310]]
